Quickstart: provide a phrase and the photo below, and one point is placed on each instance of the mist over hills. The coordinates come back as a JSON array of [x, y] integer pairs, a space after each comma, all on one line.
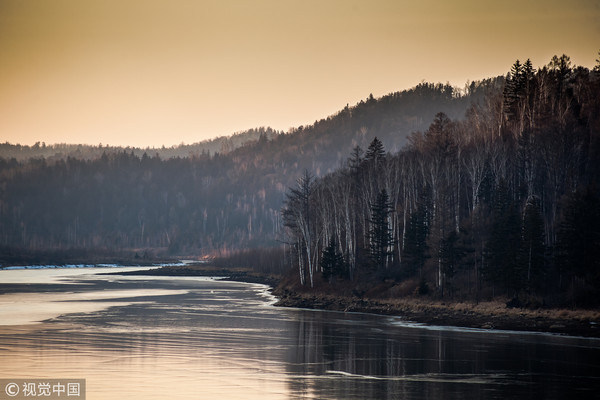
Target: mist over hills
[[206, 198]]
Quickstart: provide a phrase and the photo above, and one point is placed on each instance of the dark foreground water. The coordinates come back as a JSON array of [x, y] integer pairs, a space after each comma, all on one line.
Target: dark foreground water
[[194, 338]]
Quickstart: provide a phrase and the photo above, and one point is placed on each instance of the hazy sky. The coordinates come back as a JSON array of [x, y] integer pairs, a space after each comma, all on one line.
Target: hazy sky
[[154, 72]]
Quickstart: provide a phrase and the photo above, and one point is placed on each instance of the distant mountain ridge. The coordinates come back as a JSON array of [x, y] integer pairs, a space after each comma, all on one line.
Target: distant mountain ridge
[[207, 198], [391, 117], [221, 144]]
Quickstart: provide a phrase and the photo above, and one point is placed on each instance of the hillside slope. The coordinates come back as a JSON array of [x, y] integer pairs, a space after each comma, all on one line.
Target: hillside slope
[[206, 202]]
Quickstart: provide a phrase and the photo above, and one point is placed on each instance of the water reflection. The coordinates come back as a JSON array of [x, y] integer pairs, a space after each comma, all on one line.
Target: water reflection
[[191, 338], [368, 357]]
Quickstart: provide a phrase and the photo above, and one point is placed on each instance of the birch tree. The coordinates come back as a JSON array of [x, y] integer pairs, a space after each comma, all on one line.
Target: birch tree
[[298, 218]]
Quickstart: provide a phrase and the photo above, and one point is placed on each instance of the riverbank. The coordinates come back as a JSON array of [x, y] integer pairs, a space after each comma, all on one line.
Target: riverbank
[[237, 274], [493, 315], [13, 256]]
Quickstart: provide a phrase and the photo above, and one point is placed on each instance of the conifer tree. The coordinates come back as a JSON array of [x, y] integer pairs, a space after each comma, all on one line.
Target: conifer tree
[[513, 89], [578, 248], [381, 236], [356, 159], [415, 249], [332, 262], [531, 261], [503, 245], [375, 152], [452, 254]]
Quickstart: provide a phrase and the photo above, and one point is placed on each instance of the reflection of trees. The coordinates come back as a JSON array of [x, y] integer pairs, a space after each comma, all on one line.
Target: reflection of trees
[[341, 356], [352, 360]]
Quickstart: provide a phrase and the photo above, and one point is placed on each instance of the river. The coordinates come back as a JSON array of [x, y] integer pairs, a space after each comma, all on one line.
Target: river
[[138, 337]]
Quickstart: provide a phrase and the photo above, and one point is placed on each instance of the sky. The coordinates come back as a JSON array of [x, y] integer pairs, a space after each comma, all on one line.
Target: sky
[[165, 72]]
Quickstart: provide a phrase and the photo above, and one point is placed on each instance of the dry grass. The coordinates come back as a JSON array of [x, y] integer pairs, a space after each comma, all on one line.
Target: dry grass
[[490, 308]]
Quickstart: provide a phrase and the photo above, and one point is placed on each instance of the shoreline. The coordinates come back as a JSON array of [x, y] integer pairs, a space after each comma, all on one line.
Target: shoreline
[[236, 275], [490, 316]]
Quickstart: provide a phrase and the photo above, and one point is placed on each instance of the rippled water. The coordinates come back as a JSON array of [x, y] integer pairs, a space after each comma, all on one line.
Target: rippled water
[[197, 338]]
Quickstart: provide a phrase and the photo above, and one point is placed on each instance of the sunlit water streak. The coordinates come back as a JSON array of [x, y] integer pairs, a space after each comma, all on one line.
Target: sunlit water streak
[[199, 338]]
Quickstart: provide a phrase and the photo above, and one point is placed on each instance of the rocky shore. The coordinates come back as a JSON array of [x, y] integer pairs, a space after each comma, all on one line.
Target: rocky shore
[[485, 315]]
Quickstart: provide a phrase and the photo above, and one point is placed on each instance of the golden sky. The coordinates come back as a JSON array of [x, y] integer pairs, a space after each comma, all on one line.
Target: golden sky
[[163, 72]]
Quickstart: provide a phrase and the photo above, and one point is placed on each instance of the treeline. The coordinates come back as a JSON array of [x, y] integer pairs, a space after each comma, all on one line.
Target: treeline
[[63, 151], [181, 205], [391, 117], [203, 203], [505, 201]]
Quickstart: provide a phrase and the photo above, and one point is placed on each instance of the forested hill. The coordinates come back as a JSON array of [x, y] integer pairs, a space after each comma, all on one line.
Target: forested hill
[[494, 188], [62, 151], [505, 201], [206, 202], [391, 117]]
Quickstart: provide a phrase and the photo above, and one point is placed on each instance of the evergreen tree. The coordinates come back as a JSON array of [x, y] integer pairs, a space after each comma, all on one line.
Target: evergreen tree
[[531, 263], [512, 89], [578, 249], [451, 254], [332, 262], [415, 241], [380, 233], [356, 159], [503, 245], [439, 134], [518, 88], [528, 70], [375, 152], [561, 65]]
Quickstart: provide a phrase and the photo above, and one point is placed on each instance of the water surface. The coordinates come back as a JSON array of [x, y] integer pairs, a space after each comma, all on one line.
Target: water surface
[[199, 338]]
